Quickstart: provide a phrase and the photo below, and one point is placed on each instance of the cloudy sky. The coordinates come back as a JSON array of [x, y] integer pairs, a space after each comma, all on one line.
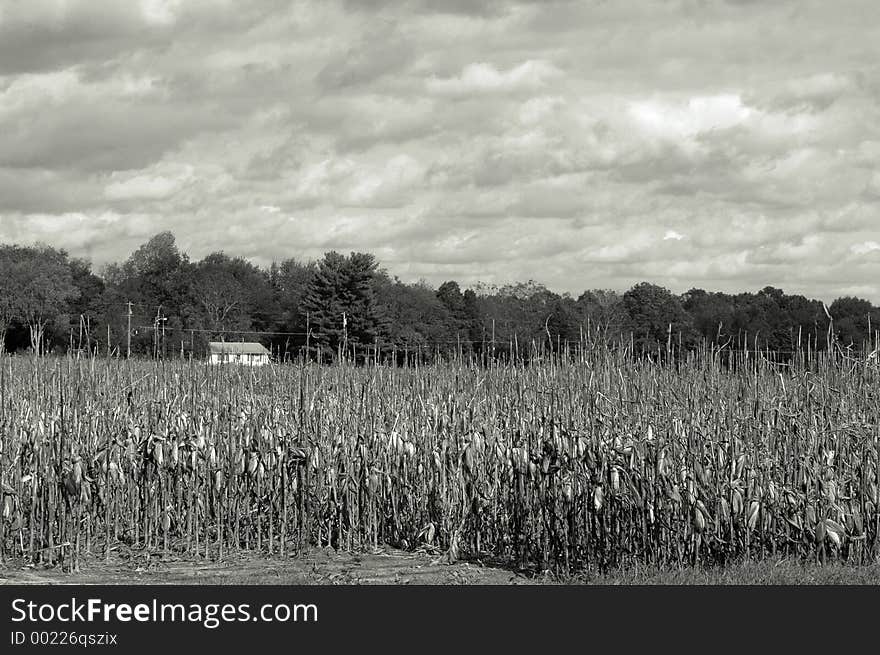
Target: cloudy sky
[[724, 144]]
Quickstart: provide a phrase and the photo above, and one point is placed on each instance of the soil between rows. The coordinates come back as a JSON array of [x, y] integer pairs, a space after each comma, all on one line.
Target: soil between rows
[[390, 566], [316, 566]]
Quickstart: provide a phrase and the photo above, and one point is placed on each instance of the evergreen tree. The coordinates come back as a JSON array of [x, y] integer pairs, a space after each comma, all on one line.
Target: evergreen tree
[[340, 301]]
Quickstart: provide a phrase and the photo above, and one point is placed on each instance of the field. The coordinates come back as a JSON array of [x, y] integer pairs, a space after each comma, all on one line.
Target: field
[[577, 468]]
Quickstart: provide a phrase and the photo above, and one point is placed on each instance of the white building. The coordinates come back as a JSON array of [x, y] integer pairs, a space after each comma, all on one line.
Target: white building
[[247, 353]]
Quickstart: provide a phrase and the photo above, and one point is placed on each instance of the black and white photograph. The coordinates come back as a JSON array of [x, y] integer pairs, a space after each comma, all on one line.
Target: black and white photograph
[[439, 292]]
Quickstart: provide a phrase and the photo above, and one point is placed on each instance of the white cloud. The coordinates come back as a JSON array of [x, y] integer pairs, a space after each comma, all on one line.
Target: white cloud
[[698, 114], [865, 247], [486, 78], [535, 110], [162, 12], [148, 186]]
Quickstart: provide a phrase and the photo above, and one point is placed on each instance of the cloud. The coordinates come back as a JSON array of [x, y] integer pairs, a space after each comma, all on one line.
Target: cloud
[[485, 78], [717, 144], [59, 121], [46, 35], [379, 53], [385, 185], [865, 247], [161, 12], [46, 191], [815, 92], [697, 114], [147, 187]]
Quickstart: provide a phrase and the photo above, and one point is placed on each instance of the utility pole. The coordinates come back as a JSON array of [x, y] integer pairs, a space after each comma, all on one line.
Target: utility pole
[[128, 335], [493, 339], [308, 334], [344, 333], [156, 331]]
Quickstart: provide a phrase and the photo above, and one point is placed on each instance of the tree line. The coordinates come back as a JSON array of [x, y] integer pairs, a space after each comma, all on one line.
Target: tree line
[[160, 303]]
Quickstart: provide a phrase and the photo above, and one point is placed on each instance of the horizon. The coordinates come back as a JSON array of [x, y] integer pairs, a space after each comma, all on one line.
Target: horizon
[[734, 149], [479, 286]]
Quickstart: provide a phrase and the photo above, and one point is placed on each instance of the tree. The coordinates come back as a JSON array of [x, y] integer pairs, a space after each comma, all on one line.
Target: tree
[[806, 320], [602, 313], [416, 316], [712, 314], [341, 303], [473, 318], [155, 269], [10, 258], [851, 319], [652, 312], [43, 290], [769, 313], [562, 322], [156, 279], [230, 292], [86, 309], [526, 313], [465, 322], [449, 293], [221, 295], [289, 281]]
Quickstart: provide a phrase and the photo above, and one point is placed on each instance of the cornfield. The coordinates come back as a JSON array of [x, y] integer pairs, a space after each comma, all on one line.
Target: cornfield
[[567, 463]]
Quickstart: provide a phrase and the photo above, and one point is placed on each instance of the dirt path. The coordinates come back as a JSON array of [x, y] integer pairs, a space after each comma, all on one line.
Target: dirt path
[[384, 566]]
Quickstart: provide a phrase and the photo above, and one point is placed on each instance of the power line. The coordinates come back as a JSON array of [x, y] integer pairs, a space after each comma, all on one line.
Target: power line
[[202, 330], [437, 342]]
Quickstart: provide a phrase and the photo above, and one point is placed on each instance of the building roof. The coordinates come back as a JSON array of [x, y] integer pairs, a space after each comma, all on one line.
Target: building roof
[[236, 348]]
